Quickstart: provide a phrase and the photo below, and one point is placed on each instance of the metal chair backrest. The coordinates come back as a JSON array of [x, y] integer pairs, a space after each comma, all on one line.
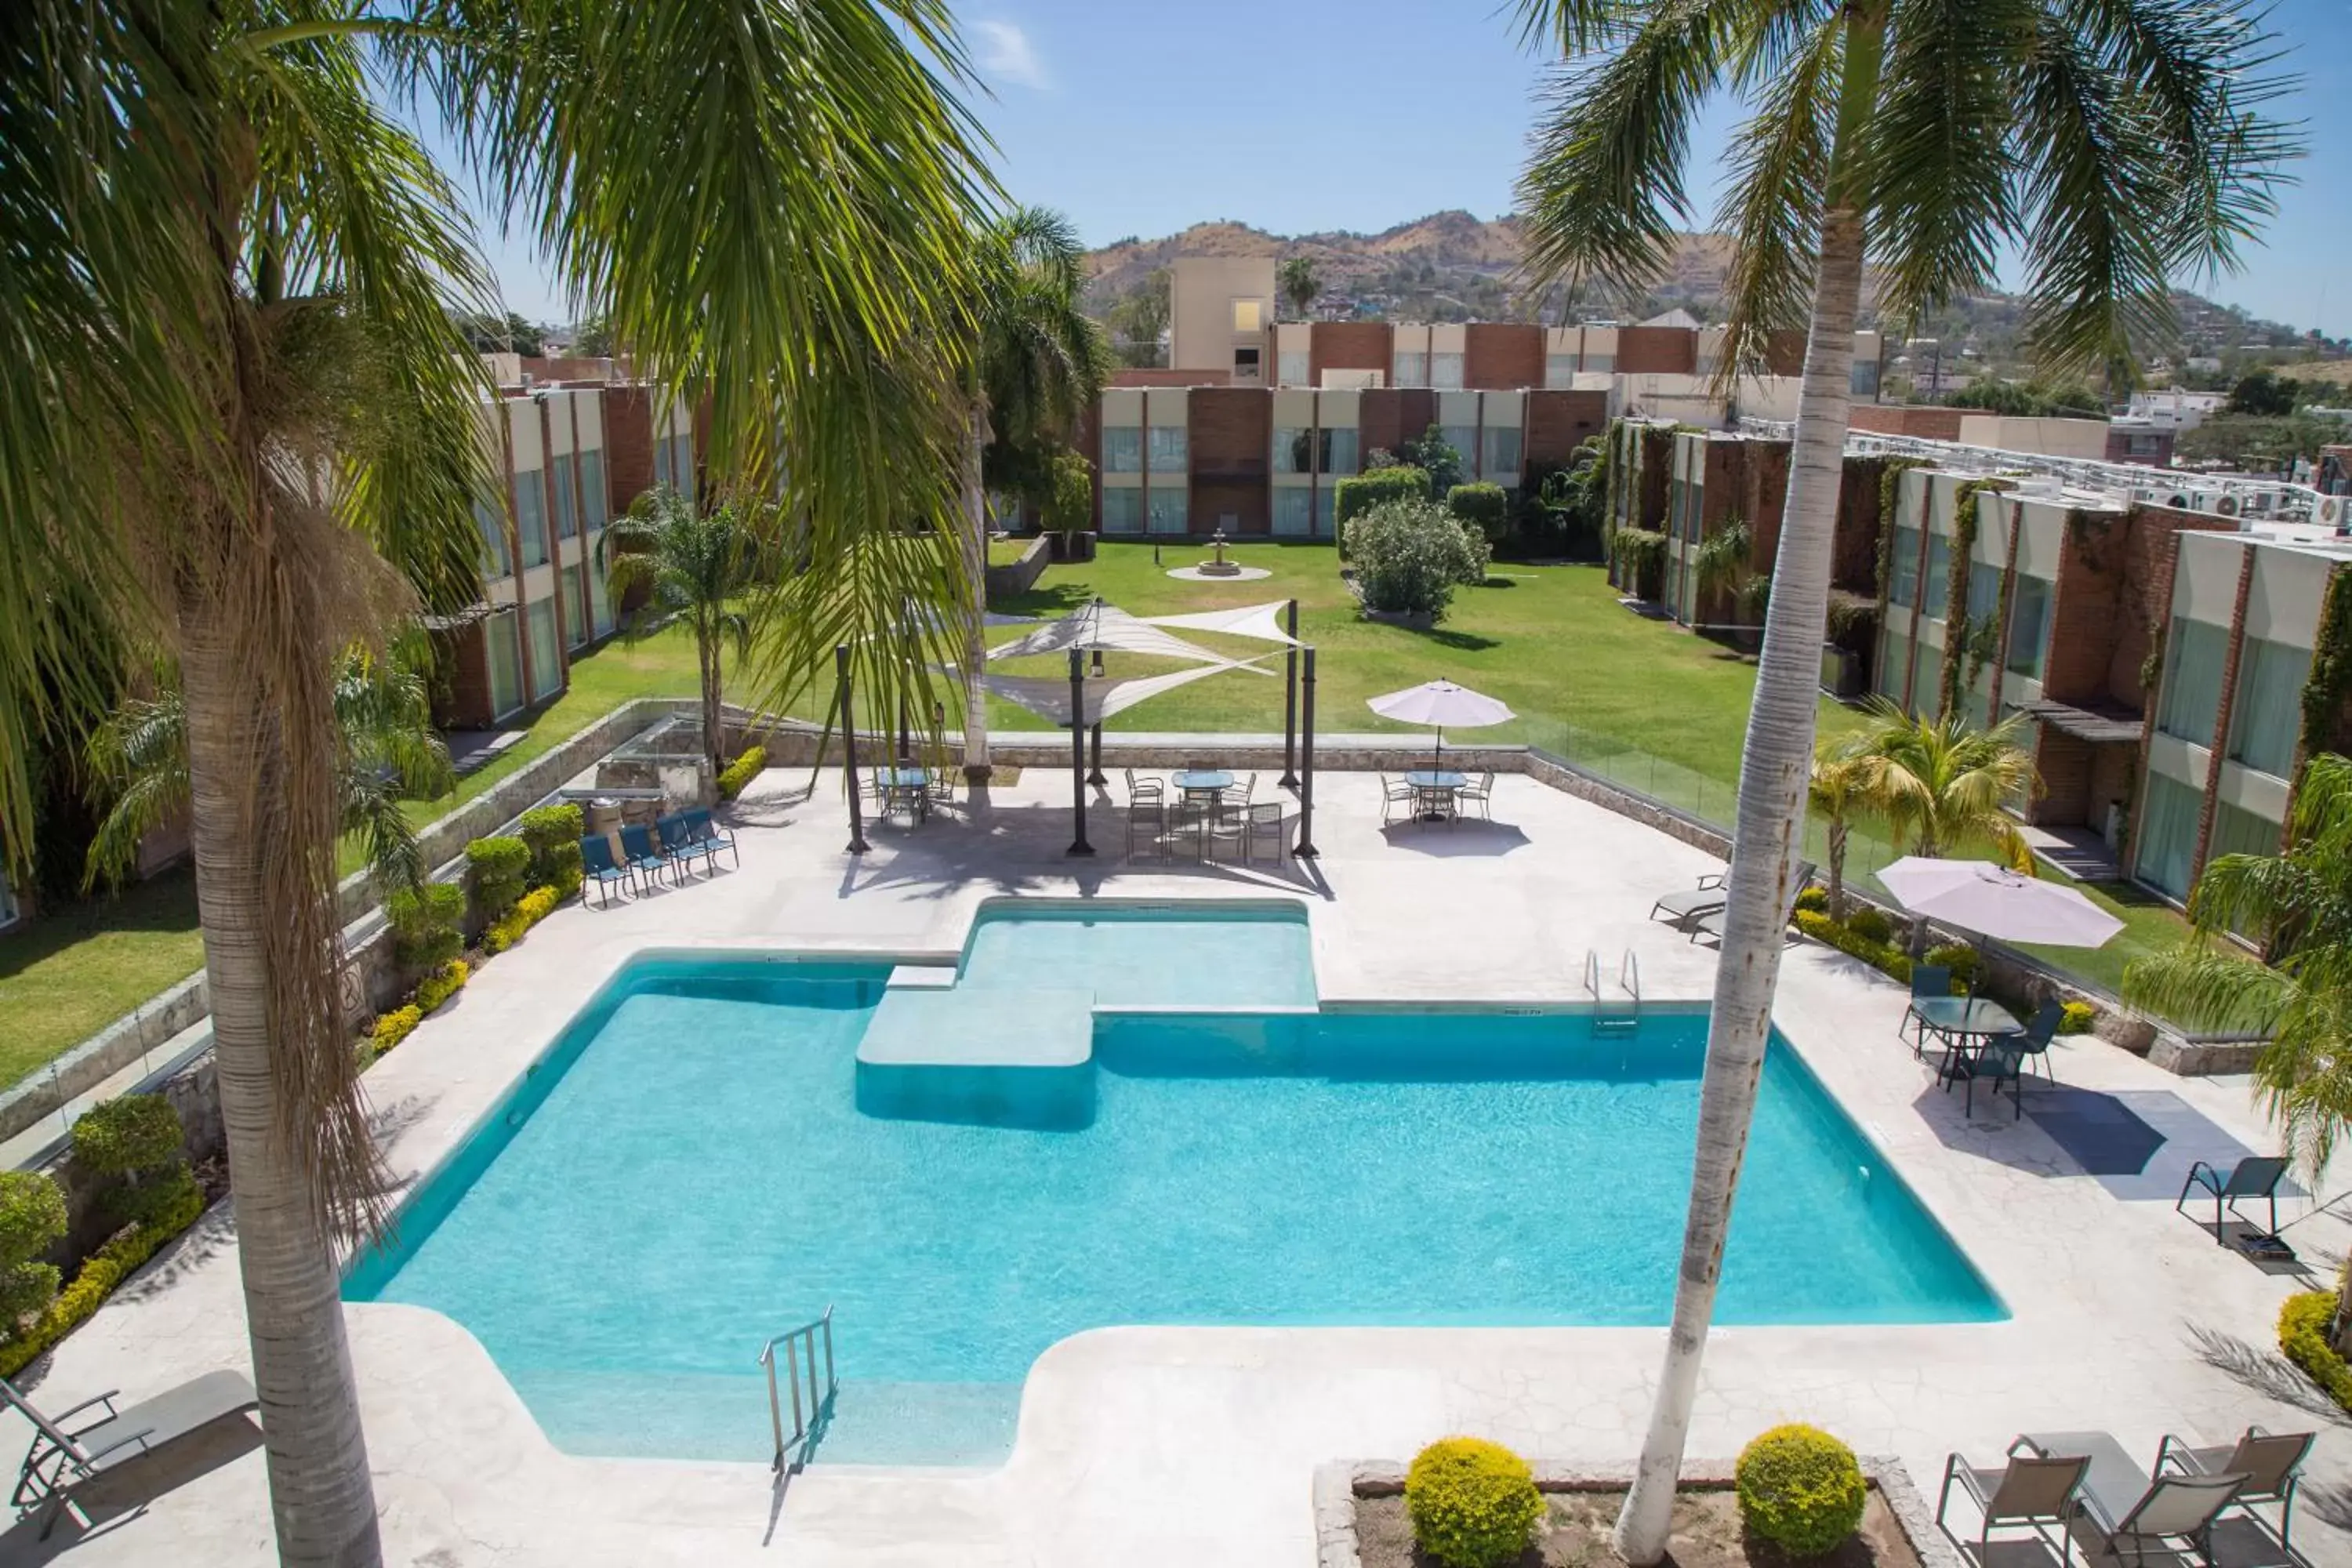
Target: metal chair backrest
[[1266, 814], [637, 842], [2269, 1459], [42, 1424], [1930, 979], [596, 855], [2181, 1505], [2036, 1487], [2254, 1176], [2042, 1027], [671, 830], [698, 824]]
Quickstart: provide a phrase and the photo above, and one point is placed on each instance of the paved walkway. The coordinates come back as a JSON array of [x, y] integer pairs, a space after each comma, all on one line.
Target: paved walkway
[[1148, 1445]]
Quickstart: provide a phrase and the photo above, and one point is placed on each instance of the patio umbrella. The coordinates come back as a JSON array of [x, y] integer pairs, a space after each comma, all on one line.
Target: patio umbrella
[[1995, 901], [1440, 703]]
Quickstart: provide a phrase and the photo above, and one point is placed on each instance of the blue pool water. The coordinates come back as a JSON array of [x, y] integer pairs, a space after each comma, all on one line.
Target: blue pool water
[[687, 1173]]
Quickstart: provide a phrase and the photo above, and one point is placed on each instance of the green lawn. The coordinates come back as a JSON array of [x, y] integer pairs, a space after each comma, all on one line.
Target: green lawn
[[68, 974]]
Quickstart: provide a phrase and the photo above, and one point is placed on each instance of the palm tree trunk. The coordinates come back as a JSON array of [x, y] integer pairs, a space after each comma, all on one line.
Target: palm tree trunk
[[976, 764], [1837, 867], [713, 742], [319, 1491], [1776, 765]]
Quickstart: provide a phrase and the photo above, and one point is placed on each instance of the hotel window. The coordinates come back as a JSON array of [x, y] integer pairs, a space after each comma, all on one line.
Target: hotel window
[[1502, 453], [1293, 512], [494, 538], [1122, 449], [2168, 834], [1411, 370], [593, 507], [1168, 449], [1248, 315], [1291, 367], [2237, 831], [1170, 511], [567, 515], [1895, 667], [1903, 574], [2192, 679], [1927, 679], [1984, 593], [1464, 440], [600, 597], [1246, 364], [1446, 372], [531, 516], [1339, 453], [576, 610], [546, 665], [499, 633], [1122, 509], [681, 460], [1937, 593], [1560, 371], [1293, 449], [2029, 626], [2268, 713], [1326, 504], [661, 464]]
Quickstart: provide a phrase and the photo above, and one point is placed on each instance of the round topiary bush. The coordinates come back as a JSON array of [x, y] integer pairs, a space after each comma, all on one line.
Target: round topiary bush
[[1869, 924], [1473, 1503], [1801, 1489]]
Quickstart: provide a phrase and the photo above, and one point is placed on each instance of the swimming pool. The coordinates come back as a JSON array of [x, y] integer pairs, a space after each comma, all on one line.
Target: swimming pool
[[688, 1171]]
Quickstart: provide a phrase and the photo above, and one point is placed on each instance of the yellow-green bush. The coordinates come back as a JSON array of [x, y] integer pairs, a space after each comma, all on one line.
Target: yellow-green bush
[[497, 871], [742, 771], [1473, 1503], [1800, 1489], [1871, 923], [106, 1268], [530, 909], [1815, 899], [393, 1028], [1959, 958], [32, 1217], [2077, 1017], [2303, 1325], [441, 985], [1879, 955], [135, 1143]]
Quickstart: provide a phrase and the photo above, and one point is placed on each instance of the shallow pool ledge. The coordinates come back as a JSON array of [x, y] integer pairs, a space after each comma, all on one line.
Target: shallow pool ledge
[[991, 1058]]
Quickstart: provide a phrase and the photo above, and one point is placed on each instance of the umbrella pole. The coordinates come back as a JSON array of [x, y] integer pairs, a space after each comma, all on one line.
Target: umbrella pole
[[1305, 849], [1290, 701], [1078, 845]]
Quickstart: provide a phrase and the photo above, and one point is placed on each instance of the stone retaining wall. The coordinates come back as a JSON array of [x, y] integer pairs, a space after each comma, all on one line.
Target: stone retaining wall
[[1021, 575]]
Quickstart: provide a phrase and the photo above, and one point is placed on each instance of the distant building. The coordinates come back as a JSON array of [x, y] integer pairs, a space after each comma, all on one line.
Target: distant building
[[2174, 408]]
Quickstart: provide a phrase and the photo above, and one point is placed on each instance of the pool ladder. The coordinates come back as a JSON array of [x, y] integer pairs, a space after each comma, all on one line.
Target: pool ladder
[[1619, 1012], [800, 1346]]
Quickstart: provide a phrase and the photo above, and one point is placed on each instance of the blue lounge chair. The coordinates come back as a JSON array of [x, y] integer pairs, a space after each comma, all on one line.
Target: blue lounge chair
[[596, 861], [637, 848], [679, 842], [2255, 1176], [698, 824]]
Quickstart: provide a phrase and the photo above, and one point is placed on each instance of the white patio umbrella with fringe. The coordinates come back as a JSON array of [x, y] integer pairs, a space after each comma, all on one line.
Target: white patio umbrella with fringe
[[1995, 901], [1443, 705]]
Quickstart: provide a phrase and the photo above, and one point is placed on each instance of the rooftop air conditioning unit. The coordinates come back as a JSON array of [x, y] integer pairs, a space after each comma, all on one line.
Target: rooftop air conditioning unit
[[2331, 512]]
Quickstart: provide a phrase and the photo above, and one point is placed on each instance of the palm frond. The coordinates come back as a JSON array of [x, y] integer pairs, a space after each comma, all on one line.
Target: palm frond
[[1772, 206]]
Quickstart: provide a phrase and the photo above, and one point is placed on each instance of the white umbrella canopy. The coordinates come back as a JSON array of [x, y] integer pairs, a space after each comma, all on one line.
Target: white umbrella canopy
[[1442, 704], [1994, 901]]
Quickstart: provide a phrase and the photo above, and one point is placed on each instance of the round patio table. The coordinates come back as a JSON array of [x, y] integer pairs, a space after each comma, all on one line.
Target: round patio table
[[911, 784], [908, 778], [1203, 780], [1972, 1017], [1434, 788]]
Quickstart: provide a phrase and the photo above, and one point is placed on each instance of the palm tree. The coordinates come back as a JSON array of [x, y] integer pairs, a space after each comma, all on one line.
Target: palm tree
[[1040, 364], [2299, 906], [698, 567], [240, 417], [388, 752], [2113, 145], [1839, 789], [1942, 786], [1298, 283]]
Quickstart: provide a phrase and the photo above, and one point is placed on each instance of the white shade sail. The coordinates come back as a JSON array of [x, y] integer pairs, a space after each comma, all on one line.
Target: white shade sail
[[1109, 629], [1048, 697], [1442, 704], [1262, 622], [1994, 901]]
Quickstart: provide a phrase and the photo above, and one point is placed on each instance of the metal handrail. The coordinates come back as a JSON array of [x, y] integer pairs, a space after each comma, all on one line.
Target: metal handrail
[[1628, 978], [800, 1355], [1592, 974]]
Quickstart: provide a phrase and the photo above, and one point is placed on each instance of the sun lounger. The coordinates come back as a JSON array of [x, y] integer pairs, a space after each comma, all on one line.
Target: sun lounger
[[1712, 923], [2033, 1492], [2272, 1463], [1705, 899], [2130, 1513], [80, 1444]]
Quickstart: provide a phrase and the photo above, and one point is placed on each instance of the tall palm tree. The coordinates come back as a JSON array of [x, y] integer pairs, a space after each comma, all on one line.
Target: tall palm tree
[[1942, 786], [238, 414], [1040, 363], [1840, 790], [2113, 145], [1298, 283], [698, 567], [387, 752], [2299, 906]]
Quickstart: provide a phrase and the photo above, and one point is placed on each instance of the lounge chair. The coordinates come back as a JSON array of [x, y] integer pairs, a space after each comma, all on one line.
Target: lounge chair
[[705, 833], [597, 864], [1707, 899], [63, 1455], [638, 850], [1927, 980], [2255, 1176], [1712, 923], [2128, 1511], [2033, 1492], [2272, 1463]]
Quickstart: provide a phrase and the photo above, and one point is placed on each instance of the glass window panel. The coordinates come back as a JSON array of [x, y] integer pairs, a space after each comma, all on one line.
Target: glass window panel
[[575, 612], [1122, 449], [494, 537], [661, 464], [1464, 440], [1168, 449], [2192, 679], [1984, 591], [600, 598], [1937, 593], [1290, 368], [1122, 509], [2029, 626], [1294, 510], [595, 509], [1560, 371], [1446, 372], [1293, 449], [1339, 453], [1411, 370], [2267, 716], [1170, 510], [2237, 831], [1926, 683], [499, 633], [1502, 454], [1902, 574], [2167, 834], [567, 515], [1326, 501], [546, 664], [1895, 667], [1245, 315], [681, 461], [531, 515]]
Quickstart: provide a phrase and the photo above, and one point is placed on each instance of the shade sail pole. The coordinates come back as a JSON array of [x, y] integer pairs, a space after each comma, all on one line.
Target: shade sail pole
[[1078, 845], [1305, 850], [1290, 699]]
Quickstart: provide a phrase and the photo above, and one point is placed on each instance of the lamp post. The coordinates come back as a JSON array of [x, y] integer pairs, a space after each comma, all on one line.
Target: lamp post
[[1305, 850], [1290, 697], [1078, 845], [857, 845]]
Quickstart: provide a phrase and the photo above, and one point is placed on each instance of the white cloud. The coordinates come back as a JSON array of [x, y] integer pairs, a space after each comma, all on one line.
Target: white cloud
[[1006, 54]]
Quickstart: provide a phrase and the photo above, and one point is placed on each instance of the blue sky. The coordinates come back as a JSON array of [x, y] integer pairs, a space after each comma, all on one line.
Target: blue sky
[[1298, 115]]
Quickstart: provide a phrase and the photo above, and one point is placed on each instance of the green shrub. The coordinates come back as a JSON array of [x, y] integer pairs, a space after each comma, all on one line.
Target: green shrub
[[1473, 1503], [1871, 923], [1483, 506], [1800, 1489], [393, 1028], [1353, 497], [32, 1217], [2077, 1017], [1962, 959], [530, 909], [742, 771], [1409, 557], [429, 925], [2303, 1324], [106, 1268], [1816, 900], [496, 870], [129, 1135], [1640, 557], [441, 985], [1879, 955], [552, 834]]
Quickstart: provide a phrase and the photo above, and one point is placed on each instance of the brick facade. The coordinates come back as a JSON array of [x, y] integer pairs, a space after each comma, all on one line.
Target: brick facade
[[1386, 419], [1784, 352], [1908, 419], [1132, 377], [465, 656], [1231, 434], [1657, 351], [1502, 357], [1559, 422], [1349, 345]]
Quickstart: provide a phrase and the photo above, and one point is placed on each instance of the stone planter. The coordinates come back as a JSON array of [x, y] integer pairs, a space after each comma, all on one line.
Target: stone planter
[[1074, 546], [1841, 672]]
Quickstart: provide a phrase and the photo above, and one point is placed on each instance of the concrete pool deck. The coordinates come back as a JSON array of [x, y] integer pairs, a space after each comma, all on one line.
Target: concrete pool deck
[[1149, 1446]]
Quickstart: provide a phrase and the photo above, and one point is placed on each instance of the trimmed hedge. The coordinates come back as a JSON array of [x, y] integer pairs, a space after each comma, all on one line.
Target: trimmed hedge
[[2303, 1324], [127, 1135], [429, 925], [552, 832], [1352, 496], [496, 871], [393, 1028], [1962, 959], [530, 909], [1879, 955], [1473, 1503], [1802, 1489], [1640, 555], [106, 1268], [1871, 923], [1484, 506], [441, 985], [742, 771], [32, 1217]]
